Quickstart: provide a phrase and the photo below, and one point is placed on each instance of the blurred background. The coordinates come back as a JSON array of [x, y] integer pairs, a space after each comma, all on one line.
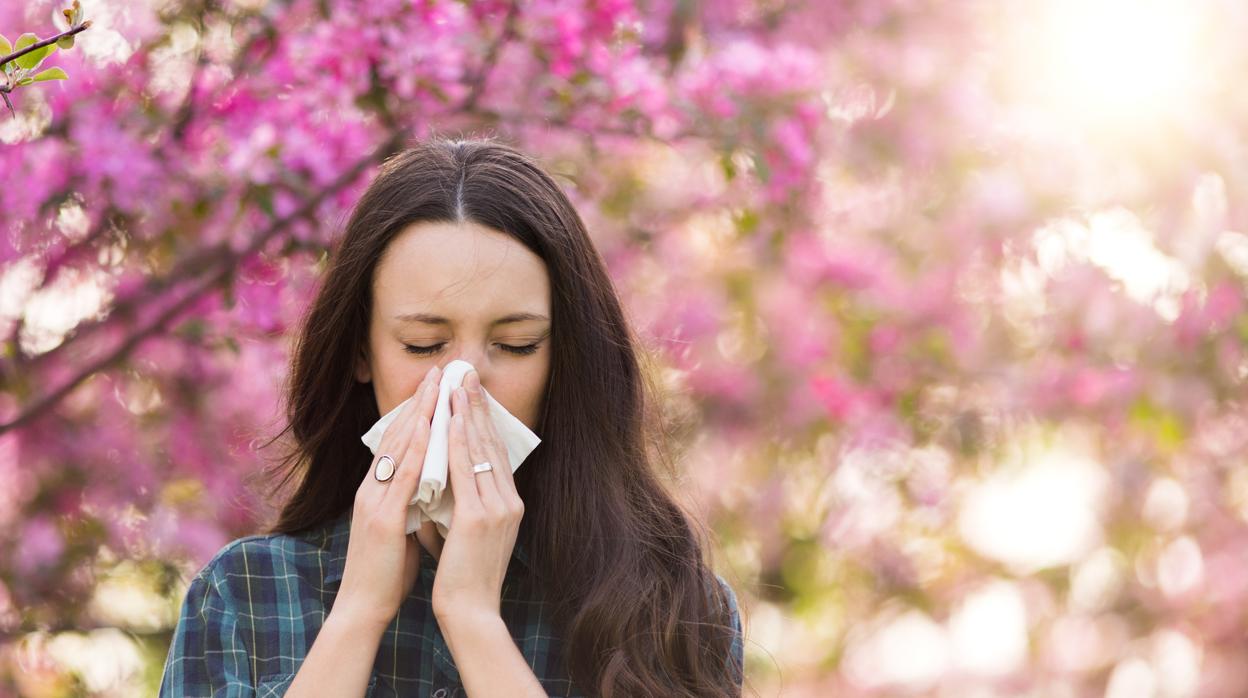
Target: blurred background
[[949, 300]]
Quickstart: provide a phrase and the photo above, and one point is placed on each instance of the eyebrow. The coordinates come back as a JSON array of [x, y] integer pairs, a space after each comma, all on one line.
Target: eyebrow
[[439, 320]]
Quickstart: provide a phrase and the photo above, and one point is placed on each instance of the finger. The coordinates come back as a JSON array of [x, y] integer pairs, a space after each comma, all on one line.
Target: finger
[[393, 441], [412, 460], [467, 498], [479, 416], [489, 442], [477, 453], [500, 458], [397, 434]]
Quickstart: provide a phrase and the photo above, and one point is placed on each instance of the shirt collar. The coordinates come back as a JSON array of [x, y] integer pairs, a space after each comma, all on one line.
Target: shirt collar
[[337, 533]]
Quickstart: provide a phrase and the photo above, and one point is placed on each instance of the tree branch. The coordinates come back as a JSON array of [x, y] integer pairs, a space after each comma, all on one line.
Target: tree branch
[[40, 44], [188, 266], [491, 57], [181, 120], [109, 220], [224, 270], [562, 122]]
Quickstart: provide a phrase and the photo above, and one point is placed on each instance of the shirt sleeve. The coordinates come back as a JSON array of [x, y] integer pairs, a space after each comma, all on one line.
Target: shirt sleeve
[[736, 664], [207, 656]]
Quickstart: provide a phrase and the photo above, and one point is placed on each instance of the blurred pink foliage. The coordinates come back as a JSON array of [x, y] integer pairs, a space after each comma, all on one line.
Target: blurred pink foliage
[[899, 298]]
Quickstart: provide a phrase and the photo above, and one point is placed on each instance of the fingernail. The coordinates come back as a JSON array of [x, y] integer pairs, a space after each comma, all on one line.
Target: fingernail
[[429, 374]]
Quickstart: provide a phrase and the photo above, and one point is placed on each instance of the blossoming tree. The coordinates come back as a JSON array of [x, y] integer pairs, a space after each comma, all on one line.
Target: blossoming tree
[[951, 304]]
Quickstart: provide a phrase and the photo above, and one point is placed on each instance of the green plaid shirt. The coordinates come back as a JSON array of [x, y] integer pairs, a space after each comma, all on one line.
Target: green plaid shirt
[[251, 614]]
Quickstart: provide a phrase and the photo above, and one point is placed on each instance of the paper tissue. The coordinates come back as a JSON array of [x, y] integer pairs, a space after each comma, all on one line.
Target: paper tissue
[[433, 500]]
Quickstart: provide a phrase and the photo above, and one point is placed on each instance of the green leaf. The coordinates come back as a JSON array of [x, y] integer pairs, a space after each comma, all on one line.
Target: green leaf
[[32, 60], [25, 40], [24, 81], [50, 74], [5, 47], [66, 41], [73, 14]]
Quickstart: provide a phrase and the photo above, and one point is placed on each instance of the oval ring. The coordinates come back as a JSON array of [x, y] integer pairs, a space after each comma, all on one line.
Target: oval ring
[[385, 468]]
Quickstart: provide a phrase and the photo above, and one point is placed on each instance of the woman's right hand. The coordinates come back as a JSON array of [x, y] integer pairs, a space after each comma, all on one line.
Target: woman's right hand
[[382, 561]]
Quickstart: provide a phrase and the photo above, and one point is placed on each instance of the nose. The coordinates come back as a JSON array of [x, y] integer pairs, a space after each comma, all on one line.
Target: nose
[[478, 362]]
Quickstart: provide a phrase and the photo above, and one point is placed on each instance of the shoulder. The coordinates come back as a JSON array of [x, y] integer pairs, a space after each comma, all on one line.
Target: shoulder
[[737, 652], [226, 631], [729, 597], [252, 565], [250, 553], [729, 593]]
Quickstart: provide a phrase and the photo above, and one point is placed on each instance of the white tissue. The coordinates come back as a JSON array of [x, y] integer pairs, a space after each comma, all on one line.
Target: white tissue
[[433, 500]]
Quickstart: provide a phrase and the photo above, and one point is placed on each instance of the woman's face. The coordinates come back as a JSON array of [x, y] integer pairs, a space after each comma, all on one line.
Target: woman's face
[[444, 291]]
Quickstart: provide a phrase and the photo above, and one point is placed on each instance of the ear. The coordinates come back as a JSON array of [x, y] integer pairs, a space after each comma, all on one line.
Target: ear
[[363, 372]]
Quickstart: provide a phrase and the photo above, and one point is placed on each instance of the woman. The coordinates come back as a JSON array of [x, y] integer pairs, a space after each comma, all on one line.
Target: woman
[[577, 575]]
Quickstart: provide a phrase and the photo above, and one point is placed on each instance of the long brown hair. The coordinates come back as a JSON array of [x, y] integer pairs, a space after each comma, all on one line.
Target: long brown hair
[[642, 614]]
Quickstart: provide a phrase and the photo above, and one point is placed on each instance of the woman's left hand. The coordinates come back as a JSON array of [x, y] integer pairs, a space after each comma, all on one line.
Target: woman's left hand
[[486, 515]]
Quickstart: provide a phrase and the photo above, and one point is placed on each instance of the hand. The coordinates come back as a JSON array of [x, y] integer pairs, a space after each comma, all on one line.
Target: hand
[[382, 562], [486, 514]]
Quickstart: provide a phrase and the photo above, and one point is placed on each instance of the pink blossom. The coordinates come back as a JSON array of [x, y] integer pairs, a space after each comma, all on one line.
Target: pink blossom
[[842, 399], [39, 547]]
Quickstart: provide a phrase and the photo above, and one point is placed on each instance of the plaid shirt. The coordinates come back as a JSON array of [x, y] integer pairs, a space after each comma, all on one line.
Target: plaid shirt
[[251, 614]]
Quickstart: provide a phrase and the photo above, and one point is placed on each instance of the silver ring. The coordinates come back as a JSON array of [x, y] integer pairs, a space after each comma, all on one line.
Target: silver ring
[[481, 467], [385, 468]]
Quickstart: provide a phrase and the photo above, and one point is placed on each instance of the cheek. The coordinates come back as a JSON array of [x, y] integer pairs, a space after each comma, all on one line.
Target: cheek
[[520, 394], [395, 379]]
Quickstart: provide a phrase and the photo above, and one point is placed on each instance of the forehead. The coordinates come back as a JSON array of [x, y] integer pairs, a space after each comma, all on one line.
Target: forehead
[[461, 271]]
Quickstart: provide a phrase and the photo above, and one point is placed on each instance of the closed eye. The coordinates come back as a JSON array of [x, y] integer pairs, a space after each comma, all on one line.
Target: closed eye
[[425, 351]]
